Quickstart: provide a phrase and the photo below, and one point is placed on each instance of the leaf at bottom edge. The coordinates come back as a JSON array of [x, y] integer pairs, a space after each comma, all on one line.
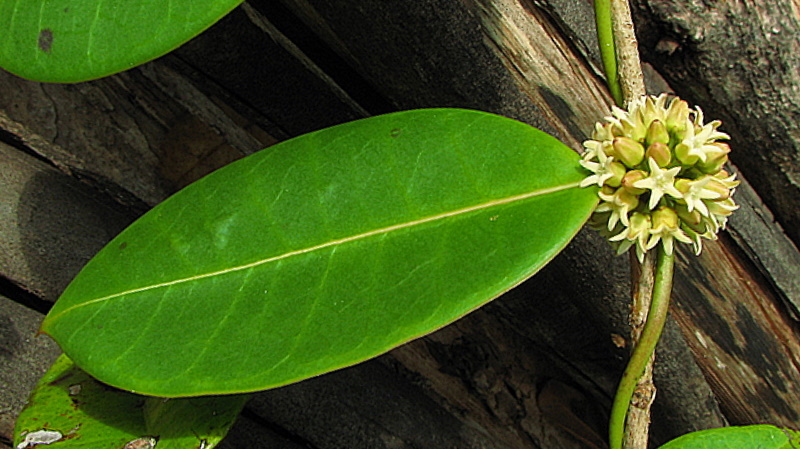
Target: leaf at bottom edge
[[70, 409]]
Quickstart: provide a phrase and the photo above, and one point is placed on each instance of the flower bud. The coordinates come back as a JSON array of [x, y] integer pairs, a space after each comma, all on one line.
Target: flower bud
[[607, 190], [683, 185], [686, 154], [625, 198], [630, 178], [660, 153], [716, 185], [716, 157], [722, 208], [628, 151], [677, 115], [657, 132], [640, 223], [665, 217], [693, 220], [619, 171], [727, 180]]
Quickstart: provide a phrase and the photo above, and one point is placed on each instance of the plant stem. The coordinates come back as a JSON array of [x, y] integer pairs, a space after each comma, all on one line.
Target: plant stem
[[608, 53], [637, 420], [629, 67], [630, 420], [644, 349]]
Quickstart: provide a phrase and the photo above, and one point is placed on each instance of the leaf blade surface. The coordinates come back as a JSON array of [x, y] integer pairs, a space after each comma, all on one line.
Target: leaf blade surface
[[322, 252], [79, 40], [738, 437]]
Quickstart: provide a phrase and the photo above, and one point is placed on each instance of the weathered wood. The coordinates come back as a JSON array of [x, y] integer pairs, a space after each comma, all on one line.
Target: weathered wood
[[739, 60], [269, 73], [24, 357], [742, 335], [124, 132], [52, 224]]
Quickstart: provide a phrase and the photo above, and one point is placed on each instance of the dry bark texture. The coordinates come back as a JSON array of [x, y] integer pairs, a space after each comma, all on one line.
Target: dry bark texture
[[534, 369], [740, 59]]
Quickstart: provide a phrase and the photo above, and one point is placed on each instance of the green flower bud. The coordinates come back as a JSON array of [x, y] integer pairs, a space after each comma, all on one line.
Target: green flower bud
[[716, 157], [657, 132], [618, 171], [660, 153], [665, 218], [716, 185], [677, 115], [628, 151], [623, 197], [630, 178], [722, 174], [693, 220], [686, 154]]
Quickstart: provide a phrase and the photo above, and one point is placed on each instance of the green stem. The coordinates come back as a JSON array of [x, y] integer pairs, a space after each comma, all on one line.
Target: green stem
[[605, 36], [643, 351]]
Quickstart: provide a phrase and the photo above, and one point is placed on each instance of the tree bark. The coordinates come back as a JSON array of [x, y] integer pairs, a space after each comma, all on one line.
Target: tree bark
[[534, 369], [740, 60]]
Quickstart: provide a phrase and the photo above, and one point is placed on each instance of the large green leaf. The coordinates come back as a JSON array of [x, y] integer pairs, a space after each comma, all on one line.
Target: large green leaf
[[78, 40], [71, 410], [746, 437], [321, 252]]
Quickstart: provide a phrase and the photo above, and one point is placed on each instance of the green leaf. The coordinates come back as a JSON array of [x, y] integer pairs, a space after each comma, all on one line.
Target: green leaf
[[746, 437], [70, 407], [322, 252], [79, 40]]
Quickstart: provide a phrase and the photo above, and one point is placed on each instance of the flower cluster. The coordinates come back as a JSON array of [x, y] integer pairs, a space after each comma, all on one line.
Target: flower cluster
[[661, 176]]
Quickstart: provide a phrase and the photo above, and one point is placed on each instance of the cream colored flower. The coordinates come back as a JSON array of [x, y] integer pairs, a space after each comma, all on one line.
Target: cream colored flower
[[602, 169], [638, 233], [620, 204], [695, 193], [666, 228], [659, 182], [659, 169]]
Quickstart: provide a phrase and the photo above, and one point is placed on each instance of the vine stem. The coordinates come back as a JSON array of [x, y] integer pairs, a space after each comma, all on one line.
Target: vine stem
[[645, 348], [608, 53], [652, 281]]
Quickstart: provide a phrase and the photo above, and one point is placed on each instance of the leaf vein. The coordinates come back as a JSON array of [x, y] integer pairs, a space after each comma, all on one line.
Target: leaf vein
[[333, 243]]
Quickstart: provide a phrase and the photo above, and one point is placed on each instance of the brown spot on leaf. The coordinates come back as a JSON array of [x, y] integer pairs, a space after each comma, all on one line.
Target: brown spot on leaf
[[46, 40]]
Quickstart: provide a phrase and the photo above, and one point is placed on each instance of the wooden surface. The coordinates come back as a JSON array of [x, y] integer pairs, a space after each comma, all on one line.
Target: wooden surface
[[740, 61], [534, 369]]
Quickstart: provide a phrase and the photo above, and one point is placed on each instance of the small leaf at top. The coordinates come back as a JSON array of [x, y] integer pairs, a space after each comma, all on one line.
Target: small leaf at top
[[69, 409], [78, 40], [744, 437], [322, 252]]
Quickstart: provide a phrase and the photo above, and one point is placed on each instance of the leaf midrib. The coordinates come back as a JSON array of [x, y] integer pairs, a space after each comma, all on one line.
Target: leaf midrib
[[336, 242]]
